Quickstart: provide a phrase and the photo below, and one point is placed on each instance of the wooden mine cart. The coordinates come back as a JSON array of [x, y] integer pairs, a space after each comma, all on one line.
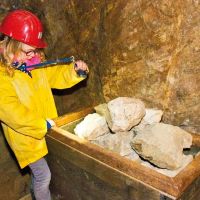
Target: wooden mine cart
[[84, 171]]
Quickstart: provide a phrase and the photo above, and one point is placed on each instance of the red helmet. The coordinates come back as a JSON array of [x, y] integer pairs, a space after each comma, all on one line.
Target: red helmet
[[23, 26]]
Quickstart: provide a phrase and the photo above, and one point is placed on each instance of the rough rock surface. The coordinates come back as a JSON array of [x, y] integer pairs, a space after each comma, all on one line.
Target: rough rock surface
[[92, 127], [162, 144], [102, 109], [151, 116], [167, 172], [118, 142], [148, 49], [153, 54], [125, 113]]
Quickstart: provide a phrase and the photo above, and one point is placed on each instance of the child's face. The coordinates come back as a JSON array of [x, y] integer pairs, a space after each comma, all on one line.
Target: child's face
[[27, 52]]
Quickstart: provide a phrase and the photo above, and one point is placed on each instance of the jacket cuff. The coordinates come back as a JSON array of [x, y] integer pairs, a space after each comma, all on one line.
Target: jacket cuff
[[50, 123]]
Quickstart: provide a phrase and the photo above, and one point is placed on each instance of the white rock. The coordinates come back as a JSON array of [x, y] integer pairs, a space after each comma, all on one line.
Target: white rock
[[125, 113], [171, 173], [92, 127], [162, 144], [152, 116], [119, 143], [102, 109]]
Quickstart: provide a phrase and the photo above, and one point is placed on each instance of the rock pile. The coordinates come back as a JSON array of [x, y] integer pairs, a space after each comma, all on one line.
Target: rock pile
[[125, 126]]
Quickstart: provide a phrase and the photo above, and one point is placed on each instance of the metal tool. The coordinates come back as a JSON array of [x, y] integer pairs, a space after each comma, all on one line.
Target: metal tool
[[26, 69]]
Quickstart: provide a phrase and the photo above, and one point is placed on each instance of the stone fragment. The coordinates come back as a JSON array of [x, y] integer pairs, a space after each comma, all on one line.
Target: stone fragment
[[119, 143], [92, 127], [133, 156], [125, 113], [151, 116], [162, 144], [102, 109], [170, 173]]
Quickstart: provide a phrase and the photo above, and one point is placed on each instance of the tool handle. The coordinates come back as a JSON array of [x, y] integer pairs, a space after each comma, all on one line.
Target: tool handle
[[54, 62], [24, 68]]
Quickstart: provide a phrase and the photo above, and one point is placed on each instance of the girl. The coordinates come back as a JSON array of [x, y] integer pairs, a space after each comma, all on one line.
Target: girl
[[26, 103]]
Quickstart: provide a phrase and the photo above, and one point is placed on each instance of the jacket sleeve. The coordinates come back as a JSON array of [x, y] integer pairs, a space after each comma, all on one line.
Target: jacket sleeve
[[62, 76], [18, 117]]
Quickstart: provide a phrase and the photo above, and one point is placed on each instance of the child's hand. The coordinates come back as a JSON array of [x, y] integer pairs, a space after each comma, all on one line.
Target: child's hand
[[81, 68]]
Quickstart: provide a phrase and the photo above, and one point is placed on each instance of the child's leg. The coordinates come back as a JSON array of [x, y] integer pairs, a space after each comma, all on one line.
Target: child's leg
[[41, 179]]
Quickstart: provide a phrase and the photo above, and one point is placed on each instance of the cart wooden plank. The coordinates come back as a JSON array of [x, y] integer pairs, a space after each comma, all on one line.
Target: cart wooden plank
[[110, 170]]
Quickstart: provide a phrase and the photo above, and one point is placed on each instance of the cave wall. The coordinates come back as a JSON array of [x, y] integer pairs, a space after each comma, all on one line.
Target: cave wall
[[147, 49], [152, 51]]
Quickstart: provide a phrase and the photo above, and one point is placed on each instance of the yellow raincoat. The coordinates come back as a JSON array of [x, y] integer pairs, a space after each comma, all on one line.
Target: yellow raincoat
[[26, 103]]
